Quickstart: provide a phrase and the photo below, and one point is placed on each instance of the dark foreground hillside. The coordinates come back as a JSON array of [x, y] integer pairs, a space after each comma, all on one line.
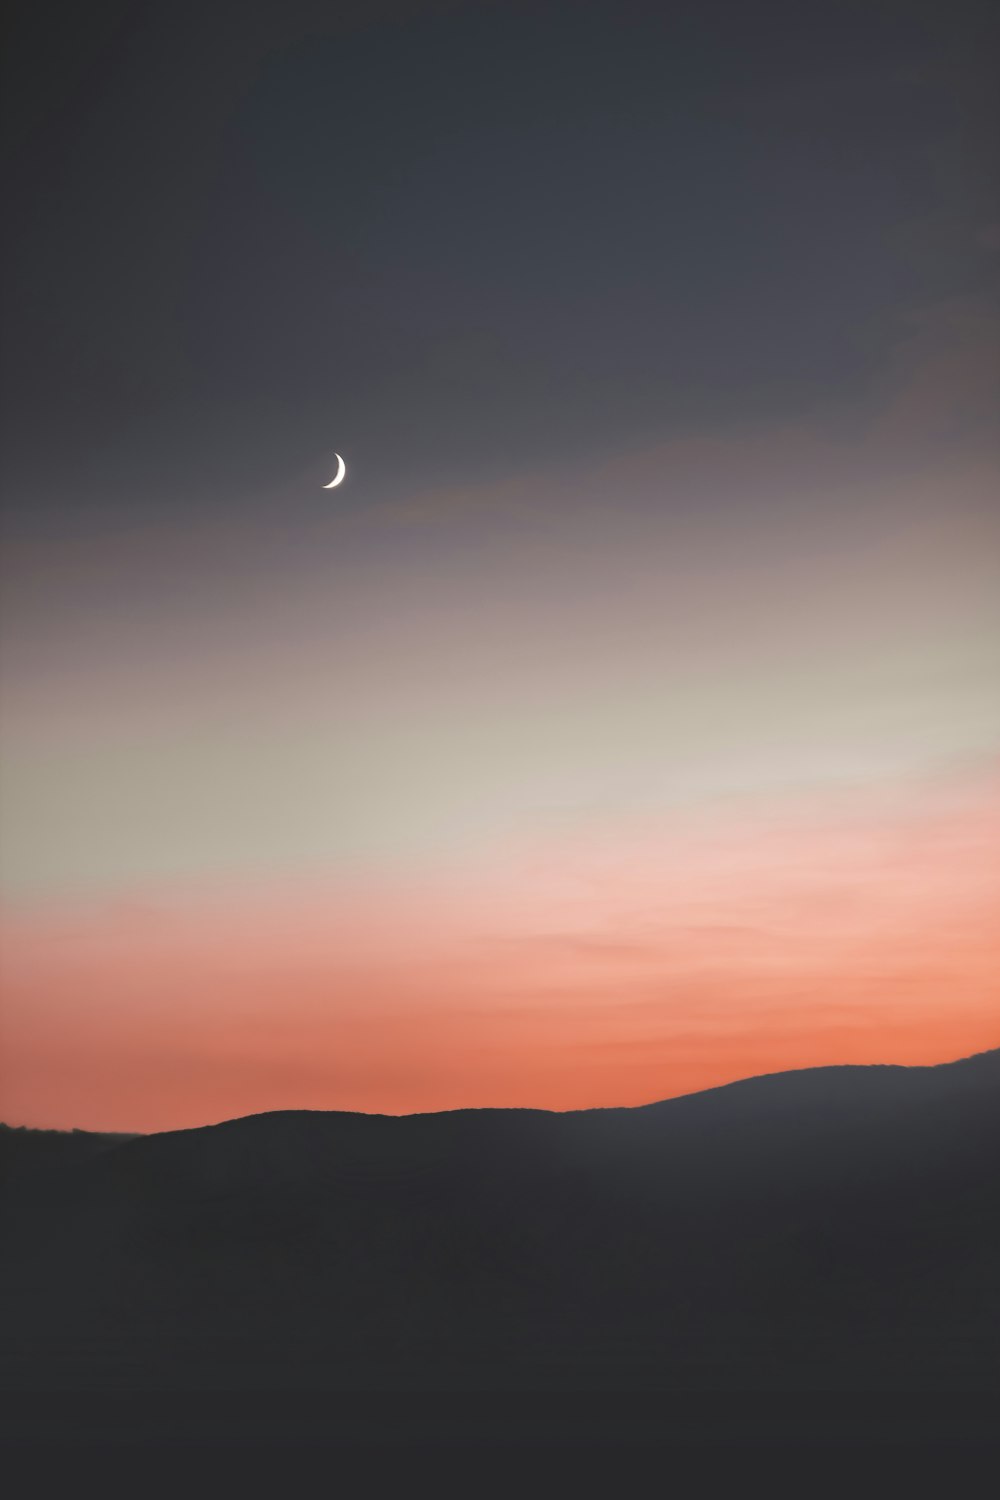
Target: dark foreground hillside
[[24, 1151], [806, 1254]]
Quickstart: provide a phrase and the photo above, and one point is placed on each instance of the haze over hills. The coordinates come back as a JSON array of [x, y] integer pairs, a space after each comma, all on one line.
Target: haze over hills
[[834, 1228]]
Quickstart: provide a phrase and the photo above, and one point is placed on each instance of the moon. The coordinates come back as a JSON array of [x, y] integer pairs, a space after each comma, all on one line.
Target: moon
[[341, 471]]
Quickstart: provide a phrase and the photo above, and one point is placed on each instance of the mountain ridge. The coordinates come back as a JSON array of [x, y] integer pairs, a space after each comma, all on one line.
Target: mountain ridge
[[810, 1230], [988, 1058]]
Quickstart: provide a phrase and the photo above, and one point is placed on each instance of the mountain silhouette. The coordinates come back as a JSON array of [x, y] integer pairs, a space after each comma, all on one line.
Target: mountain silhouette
[[831, 1230], [23, 1150]]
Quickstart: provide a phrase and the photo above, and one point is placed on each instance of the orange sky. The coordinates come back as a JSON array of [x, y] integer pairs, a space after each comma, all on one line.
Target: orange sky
[[596, 967]]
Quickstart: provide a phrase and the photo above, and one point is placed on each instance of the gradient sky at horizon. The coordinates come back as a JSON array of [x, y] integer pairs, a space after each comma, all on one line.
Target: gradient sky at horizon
[[629, 721]]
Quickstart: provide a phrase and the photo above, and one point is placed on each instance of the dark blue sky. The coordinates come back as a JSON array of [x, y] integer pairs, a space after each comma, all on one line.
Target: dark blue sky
[[429, 234]]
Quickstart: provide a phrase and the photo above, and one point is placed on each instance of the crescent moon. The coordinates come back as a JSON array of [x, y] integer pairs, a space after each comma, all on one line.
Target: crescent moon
[[341, 471]]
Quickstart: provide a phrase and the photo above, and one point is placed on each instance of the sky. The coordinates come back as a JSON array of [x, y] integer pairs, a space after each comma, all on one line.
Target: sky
[[628, 721]]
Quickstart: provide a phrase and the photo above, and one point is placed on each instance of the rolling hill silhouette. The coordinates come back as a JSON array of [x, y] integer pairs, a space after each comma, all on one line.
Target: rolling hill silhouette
[[829, 1230]]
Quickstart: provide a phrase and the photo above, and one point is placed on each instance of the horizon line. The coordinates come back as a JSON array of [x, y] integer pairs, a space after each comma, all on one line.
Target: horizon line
[[523, 1109]]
